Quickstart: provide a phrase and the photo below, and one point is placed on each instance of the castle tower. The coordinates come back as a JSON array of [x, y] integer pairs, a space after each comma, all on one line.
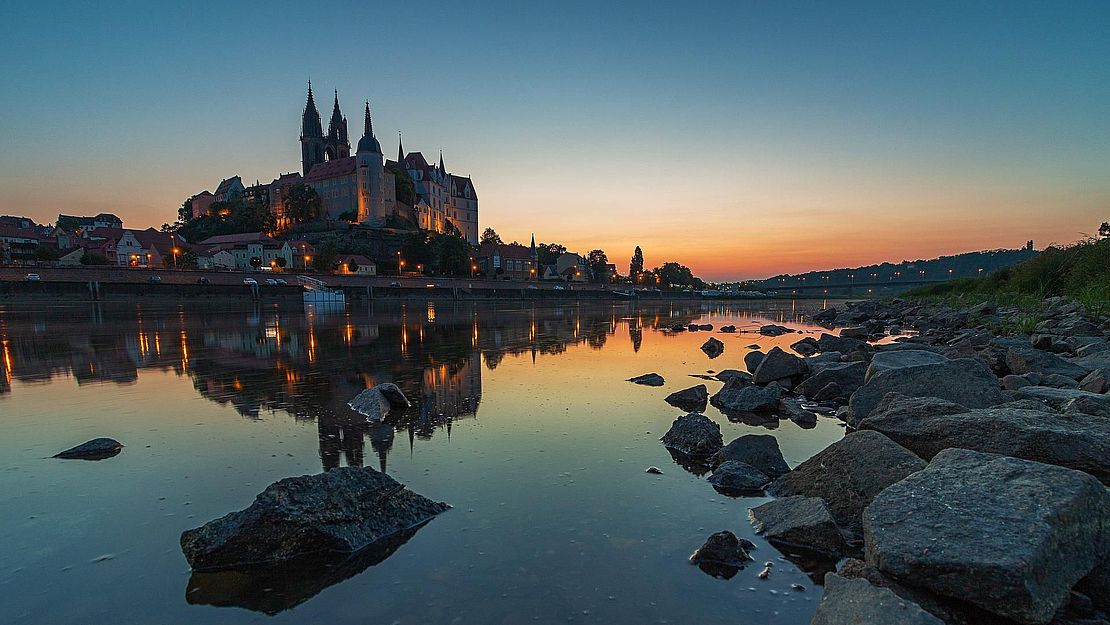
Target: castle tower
[[337, 144], [368, 159], [312, 135]]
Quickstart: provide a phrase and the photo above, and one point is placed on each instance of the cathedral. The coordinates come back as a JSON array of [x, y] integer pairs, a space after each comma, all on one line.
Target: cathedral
[[364, 186]]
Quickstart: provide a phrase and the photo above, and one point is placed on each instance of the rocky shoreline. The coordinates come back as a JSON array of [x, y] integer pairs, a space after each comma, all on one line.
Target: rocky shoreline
[[971, 485]]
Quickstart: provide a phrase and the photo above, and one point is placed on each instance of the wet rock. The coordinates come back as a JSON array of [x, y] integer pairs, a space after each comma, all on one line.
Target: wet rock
[[729, 329], [648, 379], [899, 359], [831, 392], [825, 315], [752, 360], [713, 347], [693, 399], [654, 470], [342, 511], [927, 426], [857, 332], [848, 376], [778, 365], [723, 548], [372, 404], [733, 477], [799, 521], [694, 435], [707, 327], [774, 330], [857, 601], [757, 450], [729, 375], [394, 396], [793, 410], [806, 347], [96, 449], [848, 474], [1027, 358], [965, 381], [737, 397], [1010, 536]]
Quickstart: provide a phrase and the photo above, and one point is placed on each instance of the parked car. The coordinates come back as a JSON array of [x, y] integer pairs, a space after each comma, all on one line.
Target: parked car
[[250, 281], [559, 287], [33, 277], [271, 282], [282, 282], [155, 279], [203, 280], [532, 286], [395, 285]]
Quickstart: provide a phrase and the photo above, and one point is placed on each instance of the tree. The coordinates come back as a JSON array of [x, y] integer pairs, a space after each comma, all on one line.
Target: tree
[[1104, 230], [352, 266], [46, 253], [349, 215], [301, 202], [636, 267], [92, 258], [599, 265], [489, 235], [549, 253], [281, 262], [256, 262], [674, 274], [185, 213]]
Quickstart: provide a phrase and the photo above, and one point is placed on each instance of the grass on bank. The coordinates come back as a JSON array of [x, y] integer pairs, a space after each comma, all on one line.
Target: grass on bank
[[1080, 271]]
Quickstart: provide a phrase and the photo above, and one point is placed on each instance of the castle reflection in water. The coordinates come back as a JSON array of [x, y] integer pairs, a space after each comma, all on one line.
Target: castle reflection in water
[[270, 361]]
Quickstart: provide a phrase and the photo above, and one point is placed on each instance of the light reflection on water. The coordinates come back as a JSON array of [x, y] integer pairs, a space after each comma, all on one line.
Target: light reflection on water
[[521, 420]]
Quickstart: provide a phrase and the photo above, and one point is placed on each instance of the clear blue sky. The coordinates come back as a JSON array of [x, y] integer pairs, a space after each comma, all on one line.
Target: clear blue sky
[[740, 138]]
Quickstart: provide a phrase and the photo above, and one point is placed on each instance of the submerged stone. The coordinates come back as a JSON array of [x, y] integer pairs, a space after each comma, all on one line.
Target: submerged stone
[[96, 449], [648, 379]]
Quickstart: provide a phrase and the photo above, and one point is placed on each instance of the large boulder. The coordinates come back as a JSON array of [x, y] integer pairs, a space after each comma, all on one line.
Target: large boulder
[[735, 477], [778, 365], [849, 473], [774, 330], [375, 403], [739, 397], [1096, 381], [1010, 536], [1063, 399], [344, 510], [752, 360], [757, 450], [648, 379], [842, 344], [965, 381], [693, 399], [1026, 358], [394, 395], [846, 375], [694, 435], [927, 426], [713, 347], [96, 449], [899, 359], [857, 601], [806, 347], [799, 522]]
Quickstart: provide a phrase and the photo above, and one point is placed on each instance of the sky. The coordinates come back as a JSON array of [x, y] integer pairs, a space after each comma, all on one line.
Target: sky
[[742, 139]]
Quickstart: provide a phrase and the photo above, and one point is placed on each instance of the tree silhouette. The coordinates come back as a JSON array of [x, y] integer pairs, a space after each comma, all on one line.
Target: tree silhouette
[[489, 235], [636, 267]]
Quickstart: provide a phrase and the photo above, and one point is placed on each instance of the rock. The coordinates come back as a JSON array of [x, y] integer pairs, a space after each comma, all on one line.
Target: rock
[[825, 315], [1010, 536], [735, 477], [729, 329], [1062, 399], [1055, 380], [648, 379], [1026, 358], [713, 347], [729, 375], [799, 522], [738, 397], [1095, 382], [394, 396], [985, 308], [842, 344], [778, 365], [694, 435], [793, 410], [847, 375], [654, 470], [857, 332], [806, 347], [371, 403], [757, 450], [848, 474], [822, 360], [965, 381], [96, 449], [1014, 382], [723, 548], [857, 601], [774, 330], [831, 392], [900, 359], [344, 510], [693, 399], [708, 327], [752, 360], [678, 327], [927, 425], [1096, 585]]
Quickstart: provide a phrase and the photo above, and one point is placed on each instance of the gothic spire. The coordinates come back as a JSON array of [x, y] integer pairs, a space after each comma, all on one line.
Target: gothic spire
[[442, 169], [310, 121], [400, 150], [367, 124]]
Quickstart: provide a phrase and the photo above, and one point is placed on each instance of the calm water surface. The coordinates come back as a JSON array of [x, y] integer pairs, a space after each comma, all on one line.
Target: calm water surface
[[522, 421]]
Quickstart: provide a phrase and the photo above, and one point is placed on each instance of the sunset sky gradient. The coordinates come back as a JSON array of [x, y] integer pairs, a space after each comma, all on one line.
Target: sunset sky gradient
[[741, 139]]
